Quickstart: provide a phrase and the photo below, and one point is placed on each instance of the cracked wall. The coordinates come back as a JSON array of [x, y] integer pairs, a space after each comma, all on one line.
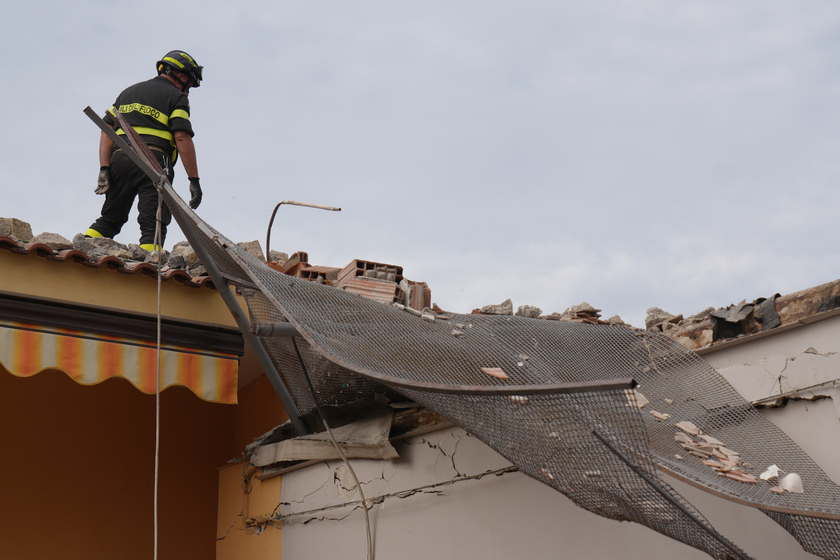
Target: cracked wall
[[494, 518], [782, 363], [499, 517]]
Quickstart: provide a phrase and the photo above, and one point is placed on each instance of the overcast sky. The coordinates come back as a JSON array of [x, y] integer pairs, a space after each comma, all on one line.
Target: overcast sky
[[628, 154]]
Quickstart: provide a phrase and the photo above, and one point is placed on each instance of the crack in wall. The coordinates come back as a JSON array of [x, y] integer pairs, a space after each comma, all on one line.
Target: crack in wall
[[439, 447], [232, 525]]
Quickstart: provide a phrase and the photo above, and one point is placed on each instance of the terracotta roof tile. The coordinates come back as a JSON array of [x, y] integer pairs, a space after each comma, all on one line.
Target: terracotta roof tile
[[114, 263]]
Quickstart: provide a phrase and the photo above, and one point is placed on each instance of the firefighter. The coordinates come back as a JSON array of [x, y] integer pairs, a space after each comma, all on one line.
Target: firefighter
[[159, 110]]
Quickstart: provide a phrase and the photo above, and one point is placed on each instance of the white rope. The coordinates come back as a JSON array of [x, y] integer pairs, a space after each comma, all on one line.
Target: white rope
[[157, 246]]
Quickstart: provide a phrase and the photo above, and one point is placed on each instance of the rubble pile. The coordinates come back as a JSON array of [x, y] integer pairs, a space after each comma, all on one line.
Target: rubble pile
[[182, 257]]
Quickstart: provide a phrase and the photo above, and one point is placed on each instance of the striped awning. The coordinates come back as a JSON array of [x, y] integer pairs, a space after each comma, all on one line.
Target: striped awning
[[89, 358]]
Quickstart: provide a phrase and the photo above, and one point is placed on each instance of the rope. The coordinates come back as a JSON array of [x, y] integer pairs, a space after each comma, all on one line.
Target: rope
[[158, 246], [340, 452]]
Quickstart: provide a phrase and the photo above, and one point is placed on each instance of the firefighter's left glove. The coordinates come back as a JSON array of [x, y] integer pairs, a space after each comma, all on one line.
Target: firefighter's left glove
[[195, 193], [104, 180]]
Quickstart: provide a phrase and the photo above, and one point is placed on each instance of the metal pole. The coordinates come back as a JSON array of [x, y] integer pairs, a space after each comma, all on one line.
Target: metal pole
[[670, 499], [245, 326], [293, 203]]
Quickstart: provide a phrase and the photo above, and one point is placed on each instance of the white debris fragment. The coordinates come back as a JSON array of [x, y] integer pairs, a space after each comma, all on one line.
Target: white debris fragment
[[519, 399], [771, 473], [792, 483]]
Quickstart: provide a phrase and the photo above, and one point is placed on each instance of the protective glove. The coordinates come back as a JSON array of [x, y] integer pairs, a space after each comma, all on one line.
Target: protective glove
[[104, 180], [195, 193]]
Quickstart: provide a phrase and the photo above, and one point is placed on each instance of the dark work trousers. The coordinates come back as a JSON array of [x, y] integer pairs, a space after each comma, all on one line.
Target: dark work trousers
[[128, 183]]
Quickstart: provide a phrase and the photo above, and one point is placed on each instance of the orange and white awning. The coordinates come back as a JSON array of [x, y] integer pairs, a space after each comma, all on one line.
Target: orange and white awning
[[89, 358]]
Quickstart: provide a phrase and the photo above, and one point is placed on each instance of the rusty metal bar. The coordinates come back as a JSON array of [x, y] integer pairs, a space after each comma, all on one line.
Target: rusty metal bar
[[292, 203], [513, 390]]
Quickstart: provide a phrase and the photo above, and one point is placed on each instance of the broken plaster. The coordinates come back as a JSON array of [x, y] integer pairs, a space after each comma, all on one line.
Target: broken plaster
[[809, 375], [312, 494]]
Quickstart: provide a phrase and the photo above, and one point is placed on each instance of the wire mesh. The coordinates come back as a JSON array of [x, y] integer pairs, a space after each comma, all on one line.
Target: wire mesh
[[354, 347]]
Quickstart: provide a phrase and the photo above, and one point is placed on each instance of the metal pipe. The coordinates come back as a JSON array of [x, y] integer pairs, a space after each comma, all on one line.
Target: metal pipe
[[293, 203], [669, 498], [244, 325]]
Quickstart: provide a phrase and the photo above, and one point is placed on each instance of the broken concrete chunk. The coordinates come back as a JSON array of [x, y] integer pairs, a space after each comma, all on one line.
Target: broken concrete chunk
[[521, 400], [137, 252], [584, 308], [12, 227], [123, 254], [659, 415], [498, 373], [254, 248], [528, 311], [278, 256], [504, 308], [656, 316], [616, 320], [688, 428], [53, 241], [457, 334]]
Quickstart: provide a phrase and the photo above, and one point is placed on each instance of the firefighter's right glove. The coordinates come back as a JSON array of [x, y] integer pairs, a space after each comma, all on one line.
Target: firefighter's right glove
[[195, 193], [104, 180]]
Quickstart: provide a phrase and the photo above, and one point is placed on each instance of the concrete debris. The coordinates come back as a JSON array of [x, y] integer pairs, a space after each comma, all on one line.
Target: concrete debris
[[124, 254], [277, 257], [656, 316], [53, 240], [528, 311], [12, 227], [505, 308], [254, 248], [584, 308], [616, 320], [660, 321], [583, 313]]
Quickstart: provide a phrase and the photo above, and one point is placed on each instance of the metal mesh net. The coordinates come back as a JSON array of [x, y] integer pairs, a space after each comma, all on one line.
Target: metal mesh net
[[353, 347]]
